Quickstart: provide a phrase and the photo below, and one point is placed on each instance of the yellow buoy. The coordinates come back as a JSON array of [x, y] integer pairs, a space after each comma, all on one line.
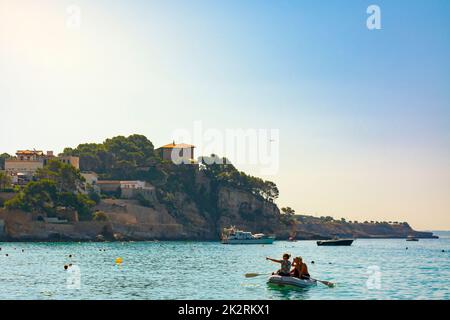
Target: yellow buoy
[[119, 260]]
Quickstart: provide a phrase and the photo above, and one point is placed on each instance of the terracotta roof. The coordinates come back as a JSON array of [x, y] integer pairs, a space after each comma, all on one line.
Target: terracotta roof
[[177, 146], [38, 152], [90, 172], [118, 181], [108, 181], [130, 181]]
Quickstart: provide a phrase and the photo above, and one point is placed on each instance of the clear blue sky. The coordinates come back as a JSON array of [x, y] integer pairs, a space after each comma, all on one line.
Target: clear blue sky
[[364, 116]]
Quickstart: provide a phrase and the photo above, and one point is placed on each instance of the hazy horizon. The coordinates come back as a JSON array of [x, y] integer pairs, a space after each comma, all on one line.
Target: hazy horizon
[[363, 115]]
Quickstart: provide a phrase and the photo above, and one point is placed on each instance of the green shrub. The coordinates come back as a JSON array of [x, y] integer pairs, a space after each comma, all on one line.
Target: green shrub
[[94, 196], [144, 201], [99, 216]]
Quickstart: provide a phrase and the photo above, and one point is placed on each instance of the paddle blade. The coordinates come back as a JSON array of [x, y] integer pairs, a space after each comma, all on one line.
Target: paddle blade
[[252, 275], [329, 284]]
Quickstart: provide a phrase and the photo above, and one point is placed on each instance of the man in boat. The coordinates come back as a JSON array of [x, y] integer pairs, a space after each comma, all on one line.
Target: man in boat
[[285, 265], [300, 269]]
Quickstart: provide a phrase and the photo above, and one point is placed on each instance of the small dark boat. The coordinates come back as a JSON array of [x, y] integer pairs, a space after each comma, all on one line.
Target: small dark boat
[[337, 242]]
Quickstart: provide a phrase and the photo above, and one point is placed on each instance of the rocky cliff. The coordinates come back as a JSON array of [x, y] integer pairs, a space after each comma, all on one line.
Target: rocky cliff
[[20, 226], [248, 212], [128, 220]]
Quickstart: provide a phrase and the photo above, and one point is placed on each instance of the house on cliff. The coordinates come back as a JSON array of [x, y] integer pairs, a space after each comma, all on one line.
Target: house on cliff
[[24, 165], [180, 153], [127, 189]]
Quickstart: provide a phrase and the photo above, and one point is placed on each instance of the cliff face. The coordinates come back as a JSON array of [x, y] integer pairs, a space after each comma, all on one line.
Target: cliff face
[[249, 212], [131, 221], [19, 226], [234, 207], [127, 220]]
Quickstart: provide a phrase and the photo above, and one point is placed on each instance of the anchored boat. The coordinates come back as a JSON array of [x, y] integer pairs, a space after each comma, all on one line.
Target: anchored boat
[[291, 281], [336, 242], [235, 236]]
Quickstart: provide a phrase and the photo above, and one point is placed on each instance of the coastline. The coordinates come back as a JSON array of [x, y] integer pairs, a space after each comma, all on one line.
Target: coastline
[[190, 202], [128, 220], [107, 232], [31, 240]]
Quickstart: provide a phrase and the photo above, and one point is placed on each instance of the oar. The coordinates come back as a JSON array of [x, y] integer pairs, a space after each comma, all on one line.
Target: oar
[[327, 283], [252, 275]]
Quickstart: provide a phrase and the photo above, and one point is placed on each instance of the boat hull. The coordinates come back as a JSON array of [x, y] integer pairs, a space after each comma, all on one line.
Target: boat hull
[[249, 241], [343, 242], [291, 281]]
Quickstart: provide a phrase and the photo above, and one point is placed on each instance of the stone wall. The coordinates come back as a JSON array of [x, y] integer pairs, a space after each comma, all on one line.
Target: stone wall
[[2, 229], [133, 193], [136, 222]]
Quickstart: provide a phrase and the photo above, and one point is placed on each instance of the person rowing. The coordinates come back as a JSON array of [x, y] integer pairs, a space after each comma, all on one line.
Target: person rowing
[[285, 265], [300, 269]]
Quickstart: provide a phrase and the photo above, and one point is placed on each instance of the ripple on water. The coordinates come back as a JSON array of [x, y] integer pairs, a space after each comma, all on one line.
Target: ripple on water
[[207, 270]]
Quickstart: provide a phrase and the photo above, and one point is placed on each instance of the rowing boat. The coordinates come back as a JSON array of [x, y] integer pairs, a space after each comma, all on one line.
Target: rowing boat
[[291, 281]]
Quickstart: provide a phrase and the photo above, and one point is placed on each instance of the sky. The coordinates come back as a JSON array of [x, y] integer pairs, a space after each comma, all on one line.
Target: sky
[[363, 116]]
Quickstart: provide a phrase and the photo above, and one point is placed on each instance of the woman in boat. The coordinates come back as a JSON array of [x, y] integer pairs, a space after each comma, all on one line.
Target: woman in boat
[[300, 269], [285, 265]]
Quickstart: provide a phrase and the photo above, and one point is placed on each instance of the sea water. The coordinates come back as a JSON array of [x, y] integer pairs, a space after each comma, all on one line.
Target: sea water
[[369, 269]]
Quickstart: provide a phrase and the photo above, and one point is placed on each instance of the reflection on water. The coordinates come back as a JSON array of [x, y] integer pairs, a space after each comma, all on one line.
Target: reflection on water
[[282, 292]]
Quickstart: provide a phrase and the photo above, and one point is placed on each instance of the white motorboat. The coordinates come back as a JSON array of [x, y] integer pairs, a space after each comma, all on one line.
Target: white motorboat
[[235, 236]]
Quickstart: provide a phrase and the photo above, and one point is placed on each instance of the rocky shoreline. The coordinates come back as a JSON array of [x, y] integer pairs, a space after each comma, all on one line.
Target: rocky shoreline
[[129, 221]]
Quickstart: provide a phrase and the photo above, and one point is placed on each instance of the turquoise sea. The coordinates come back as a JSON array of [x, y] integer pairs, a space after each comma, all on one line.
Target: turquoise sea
[[369, 269]]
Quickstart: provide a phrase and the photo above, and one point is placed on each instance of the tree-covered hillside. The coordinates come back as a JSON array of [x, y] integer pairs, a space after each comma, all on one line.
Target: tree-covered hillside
[[57, 186], [134, 157]]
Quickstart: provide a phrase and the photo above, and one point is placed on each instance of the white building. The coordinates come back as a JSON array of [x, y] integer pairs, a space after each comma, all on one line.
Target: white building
[[24, 165], [128, 189], [90, 177]]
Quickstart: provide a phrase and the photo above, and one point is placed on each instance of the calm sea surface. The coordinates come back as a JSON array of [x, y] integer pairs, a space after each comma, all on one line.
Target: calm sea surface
[[369, 269]]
